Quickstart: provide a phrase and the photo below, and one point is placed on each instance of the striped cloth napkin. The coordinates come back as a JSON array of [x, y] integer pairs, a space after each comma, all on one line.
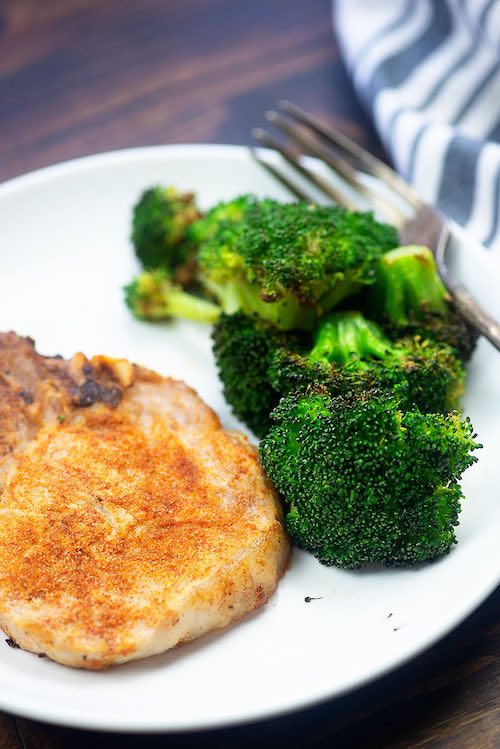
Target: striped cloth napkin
[[429, 73]]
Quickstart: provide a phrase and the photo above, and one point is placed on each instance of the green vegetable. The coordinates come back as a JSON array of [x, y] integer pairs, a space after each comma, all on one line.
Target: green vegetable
[[351, 352], [291, 263], [409, 299], [160, 231], [243, 348], [223, 214], [153, 296], [364, 481], [452, 331], [408, 284], [258, 364]]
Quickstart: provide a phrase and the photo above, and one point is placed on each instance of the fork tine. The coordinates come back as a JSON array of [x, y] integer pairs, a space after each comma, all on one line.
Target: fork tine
[[322, 184], [338, 164], [292, 187], [369, 163], [463, 302]]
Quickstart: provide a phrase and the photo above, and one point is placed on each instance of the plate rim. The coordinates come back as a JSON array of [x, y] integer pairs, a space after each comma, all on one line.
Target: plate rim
[[134, 153], [70, 718]]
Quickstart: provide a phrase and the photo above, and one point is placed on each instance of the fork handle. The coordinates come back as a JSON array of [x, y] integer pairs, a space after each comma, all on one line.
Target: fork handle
[[464, 303]]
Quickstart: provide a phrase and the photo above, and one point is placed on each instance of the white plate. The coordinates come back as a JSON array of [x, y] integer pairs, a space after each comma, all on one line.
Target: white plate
[[64, 257]]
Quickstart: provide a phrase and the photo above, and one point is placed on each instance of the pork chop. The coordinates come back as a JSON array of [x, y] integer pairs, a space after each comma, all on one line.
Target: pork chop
[[130, 520]]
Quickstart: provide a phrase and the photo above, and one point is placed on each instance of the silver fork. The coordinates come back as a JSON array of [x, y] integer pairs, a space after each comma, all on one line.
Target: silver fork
[[416, 222]]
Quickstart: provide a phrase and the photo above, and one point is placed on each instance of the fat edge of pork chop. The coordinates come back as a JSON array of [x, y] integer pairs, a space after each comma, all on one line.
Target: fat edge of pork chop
[[131, 521]]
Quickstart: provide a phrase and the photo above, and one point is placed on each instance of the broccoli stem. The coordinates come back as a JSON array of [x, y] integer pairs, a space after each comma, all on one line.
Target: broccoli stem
[[153, 296], [408, 285], [180, 304], [239, 295], [344, 334], [343, 289]]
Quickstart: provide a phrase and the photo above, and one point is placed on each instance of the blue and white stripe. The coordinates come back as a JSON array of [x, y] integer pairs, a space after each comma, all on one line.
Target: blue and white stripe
[[429, 73]]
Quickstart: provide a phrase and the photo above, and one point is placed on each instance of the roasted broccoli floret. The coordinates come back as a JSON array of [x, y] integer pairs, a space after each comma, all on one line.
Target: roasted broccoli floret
[[243, 348], [408, 298], [258, 364], [160, 231], [351, 352], [364, 481], [290, 263], [452, 331], [222, 214], [154, 296], [408, 283]]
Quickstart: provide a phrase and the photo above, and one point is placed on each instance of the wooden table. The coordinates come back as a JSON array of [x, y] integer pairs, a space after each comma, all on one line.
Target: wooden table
[[79, 76]]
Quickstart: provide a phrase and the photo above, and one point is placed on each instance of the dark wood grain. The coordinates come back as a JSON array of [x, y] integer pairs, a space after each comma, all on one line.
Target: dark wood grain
[[9, 736], [79, 76]]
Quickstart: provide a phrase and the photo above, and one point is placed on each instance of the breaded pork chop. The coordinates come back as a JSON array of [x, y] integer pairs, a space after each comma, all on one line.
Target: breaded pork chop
[[130, 520]]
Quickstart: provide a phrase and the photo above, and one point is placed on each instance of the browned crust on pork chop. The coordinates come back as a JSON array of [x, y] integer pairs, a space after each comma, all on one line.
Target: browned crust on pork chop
[[130, 520]]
